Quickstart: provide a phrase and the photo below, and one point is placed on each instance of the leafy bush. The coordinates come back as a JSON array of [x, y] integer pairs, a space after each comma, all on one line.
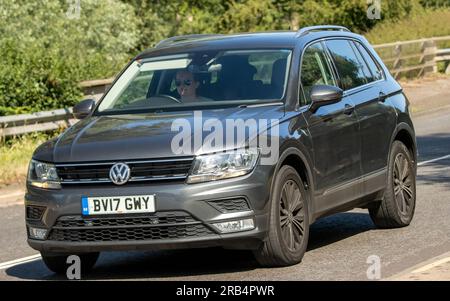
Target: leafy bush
[[45, 53], [16, 154], [435, 3]]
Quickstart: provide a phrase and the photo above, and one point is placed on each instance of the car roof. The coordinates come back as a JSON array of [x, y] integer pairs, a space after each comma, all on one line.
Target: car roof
[[256, 40]]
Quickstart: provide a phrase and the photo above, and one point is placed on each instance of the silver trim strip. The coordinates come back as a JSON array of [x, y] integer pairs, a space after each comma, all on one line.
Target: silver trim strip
[[124, 161], [136, 179]]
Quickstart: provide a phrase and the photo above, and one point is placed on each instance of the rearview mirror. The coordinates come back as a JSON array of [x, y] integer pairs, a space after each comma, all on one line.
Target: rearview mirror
[[83, 108], [324, 95]]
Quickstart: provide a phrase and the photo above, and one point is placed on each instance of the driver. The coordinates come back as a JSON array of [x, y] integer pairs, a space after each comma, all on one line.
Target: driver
[[187, 85]]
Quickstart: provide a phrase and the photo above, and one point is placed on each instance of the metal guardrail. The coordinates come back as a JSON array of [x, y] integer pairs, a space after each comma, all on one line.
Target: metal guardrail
[[35, 122], [419, 56]]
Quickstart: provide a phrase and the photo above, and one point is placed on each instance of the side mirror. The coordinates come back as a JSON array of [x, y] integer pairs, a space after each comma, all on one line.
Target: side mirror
[[324, 95], [83, 108]]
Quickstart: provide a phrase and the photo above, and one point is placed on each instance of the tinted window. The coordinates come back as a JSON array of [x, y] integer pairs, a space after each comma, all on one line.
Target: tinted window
[[315, 70], [362, 63], [376, 71], [351, 70]]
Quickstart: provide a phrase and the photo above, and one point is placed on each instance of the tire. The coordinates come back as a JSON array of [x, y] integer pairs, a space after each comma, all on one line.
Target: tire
[[58, 264], [286, 244], [397, 207]]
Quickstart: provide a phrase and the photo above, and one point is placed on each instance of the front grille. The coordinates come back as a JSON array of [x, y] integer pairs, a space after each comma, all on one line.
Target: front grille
[[161, 225], [35, 212], [150, 170], [230, 205]]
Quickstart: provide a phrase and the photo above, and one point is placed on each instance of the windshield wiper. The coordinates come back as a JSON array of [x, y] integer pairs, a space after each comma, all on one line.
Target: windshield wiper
[[257, 105]]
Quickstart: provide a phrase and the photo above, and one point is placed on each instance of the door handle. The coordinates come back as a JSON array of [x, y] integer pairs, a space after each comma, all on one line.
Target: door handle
[[348, 109], [381, 97]]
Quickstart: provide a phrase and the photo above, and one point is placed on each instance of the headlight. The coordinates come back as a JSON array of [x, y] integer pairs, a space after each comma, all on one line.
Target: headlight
[[43, 175], [223, 165]]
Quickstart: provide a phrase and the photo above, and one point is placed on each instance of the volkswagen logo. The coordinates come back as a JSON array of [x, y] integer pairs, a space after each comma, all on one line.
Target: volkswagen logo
[[119, 173]]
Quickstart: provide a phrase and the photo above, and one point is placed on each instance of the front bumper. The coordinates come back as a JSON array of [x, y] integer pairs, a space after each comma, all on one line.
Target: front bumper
[[193, 200]]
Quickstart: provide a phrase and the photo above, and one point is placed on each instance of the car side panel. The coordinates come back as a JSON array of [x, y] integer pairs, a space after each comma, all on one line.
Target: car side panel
[[377, 119]]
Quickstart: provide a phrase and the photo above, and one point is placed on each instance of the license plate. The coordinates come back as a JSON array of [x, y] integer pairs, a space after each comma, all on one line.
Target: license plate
[[118, 204]]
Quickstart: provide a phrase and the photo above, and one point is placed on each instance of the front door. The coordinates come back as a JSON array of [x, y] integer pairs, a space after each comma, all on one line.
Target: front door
[[334, 131]]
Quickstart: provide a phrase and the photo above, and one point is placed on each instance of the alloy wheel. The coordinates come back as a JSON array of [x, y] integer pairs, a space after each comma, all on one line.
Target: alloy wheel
[[292, 215], [403, 184]]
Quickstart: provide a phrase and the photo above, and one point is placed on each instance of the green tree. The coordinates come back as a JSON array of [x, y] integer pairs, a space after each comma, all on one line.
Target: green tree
[[251, 15], [45, 53]]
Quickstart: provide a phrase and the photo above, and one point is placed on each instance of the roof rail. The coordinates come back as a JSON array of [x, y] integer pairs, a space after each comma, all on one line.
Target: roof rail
[[184, 38], [306, 30]]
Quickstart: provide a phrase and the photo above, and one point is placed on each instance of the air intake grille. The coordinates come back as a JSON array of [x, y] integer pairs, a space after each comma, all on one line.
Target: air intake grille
[[231, 205], [35, 212], [162, 225]]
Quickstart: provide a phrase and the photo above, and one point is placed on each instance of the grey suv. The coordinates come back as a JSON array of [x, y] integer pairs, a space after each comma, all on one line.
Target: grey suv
[[147, 167]]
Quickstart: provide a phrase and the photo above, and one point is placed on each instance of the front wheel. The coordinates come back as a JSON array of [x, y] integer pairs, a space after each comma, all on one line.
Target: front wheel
[[288, 222], [399, 201], [58, 263]]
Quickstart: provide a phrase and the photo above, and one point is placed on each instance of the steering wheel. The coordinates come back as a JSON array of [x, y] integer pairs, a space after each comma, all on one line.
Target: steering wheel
[[169, 97]]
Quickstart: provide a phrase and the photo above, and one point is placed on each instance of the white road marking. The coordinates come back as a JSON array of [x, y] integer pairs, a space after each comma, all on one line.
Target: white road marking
[[433, 160], [431, 265], [10, 264]]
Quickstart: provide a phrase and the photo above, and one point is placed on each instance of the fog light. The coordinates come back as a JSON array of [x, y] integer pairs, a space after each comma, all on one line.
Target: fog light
[[235, 226], [37, 233]]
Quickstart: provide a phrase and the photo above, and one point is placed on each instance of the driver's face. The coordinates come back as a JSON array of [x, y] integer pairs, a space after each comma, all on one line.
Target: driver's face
[[186, 85]]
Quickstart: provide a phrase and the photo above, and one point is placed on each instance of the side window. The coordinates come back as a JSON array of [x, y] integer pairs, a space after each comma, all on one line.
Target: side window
[[362, 64], [315, 70], [377, 72], [350, 68]]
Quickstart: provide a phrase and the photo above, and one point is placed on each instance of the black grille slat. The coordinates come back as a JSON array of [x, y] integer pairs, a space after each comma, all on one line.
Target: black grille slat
[[130, 234], [35, 212], [170, 225], [140, 171], [230, 205]]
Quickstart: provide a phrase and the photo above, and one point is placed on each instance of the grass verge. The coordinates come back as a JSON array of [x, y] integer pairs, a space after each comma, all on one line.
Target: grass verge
[[427, 24], [15, 154]]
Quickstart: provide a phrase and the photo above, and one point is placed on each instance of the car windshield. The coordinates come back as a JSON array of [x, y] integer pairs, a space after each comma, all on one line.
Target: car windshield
[[199, 79]]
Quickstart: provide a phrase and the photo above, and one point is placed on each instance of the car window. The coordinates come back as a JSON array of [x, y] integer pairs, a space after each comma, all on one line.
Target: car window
[[351, 70], [375, 69], [315, 70], [362, 63], [200, 78]]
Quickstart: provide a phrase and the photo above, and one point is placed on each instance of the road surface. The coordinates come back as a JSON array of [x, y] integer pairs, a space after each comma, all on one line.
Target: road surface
[[339, 246]]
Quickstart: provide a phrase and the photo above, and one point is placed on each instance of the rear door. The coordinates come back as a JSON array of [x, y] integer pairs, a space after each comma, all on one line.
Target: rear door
[[334, 131], [377, 119]]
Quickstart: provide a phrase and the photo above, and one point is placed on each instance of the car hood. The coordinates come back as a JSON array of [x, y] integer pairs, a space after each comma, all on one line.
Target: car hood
[[150, 135]]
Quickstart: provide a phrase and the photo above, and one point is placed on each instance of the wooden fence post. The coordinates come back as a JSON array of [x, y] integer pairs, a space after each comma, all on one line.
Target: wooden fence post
[[398, 60], [428, 54]]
